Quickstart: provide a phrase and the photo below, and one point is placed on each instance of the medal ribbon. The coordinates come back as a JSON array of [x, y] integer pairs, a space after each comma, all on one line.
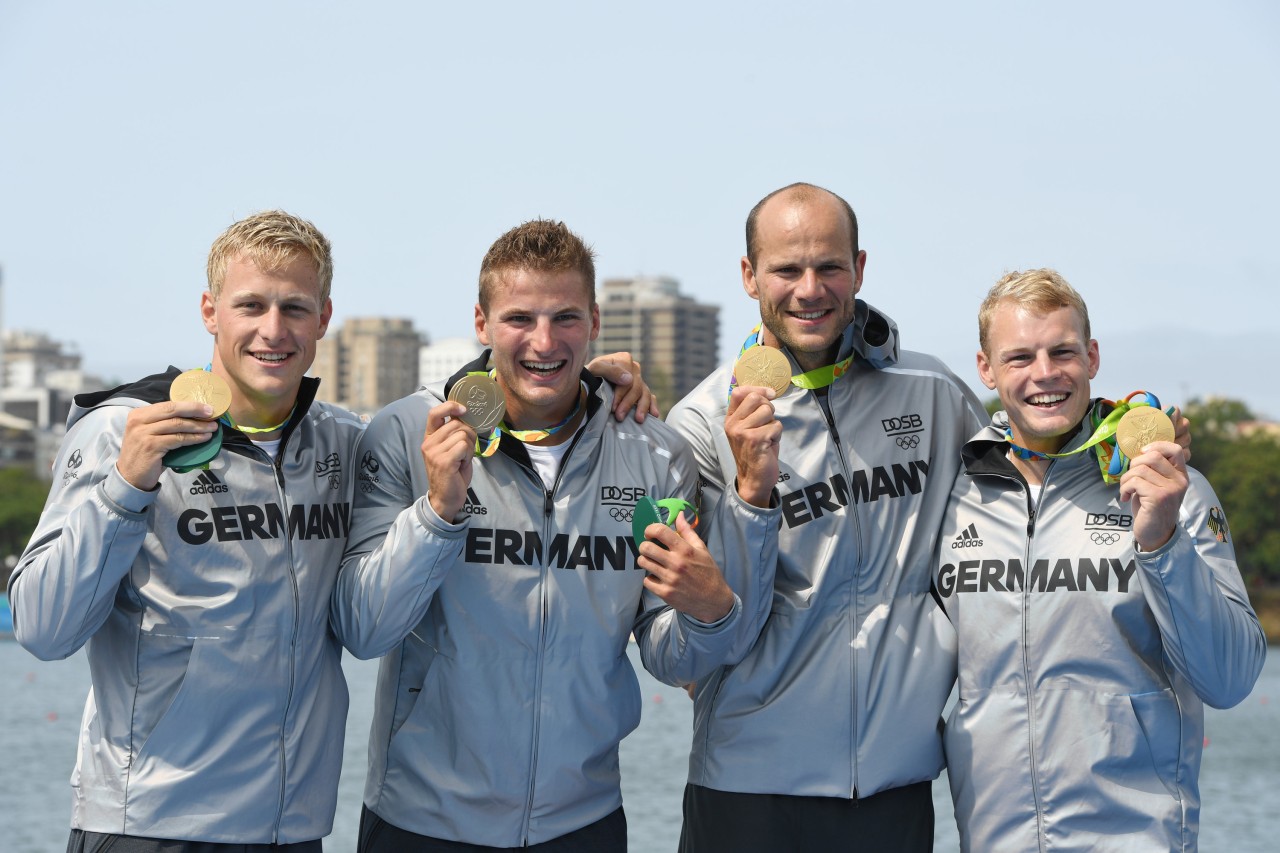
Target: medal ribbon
[[229, 421], [486, 447], [1111, 460], [812, 380]]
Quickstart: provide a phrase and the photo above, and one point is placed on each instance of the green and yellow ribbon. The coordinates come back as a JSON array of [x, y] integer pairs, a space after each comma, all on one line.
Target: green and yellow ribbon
[[1111, 460], [812, 380]]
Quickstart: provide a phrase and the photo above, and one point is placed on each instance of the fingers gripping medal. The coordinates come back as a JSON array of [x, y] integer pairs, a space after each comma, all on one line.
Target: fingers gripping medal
[[648, 511], [483, 399], [199, 386], [764, 367], [1139, 427]]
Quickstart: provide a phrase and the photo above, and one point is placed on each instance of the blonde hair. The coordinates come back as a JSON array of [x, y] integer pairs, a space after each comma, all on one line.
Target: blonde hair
[[271, 239], [1039, 291], [539, 245]]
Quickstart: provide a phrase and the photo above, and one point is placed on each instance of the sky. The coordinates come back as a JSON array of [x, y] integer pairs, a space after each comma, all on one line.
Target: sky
[[1131, 146]]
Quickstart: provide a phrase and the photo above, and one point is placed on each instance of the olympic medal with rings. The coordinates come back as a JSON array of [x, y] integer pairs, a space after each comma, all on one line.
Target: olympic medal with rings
[[763, 367], [483, 399], [202, 386], [1140, 426]]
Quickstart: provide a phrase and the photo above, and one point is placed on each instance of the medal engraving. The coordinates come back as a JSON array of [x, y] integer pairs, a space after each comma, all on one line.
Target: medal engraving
[[1139, 427], [201, 386], [483, 399], [763, 367]]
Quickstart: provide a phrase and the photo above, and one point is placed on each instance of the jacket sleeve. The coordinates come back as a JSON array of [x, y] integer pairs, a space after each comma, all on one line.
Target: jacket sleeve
[[743, 540], [1210, 633], [89, 534], [399, 550]]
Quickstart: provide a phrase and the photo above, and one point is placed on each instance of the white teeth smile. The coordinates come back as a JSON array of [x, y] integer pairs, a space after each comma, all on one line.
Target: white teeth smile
[[543, 366], [1046, 399], [271, 356], [808, 315]]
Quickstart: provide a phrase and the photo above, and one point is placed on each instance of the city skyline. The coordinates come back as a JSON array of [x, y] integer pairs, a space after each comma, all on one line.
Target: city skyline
[[1128, 146]]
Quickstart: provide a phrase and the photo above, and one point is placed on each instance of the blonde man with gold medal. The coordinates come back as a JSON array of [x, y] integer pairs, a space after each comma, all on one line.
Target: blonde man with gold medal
[[1096, 598], [190, 543]]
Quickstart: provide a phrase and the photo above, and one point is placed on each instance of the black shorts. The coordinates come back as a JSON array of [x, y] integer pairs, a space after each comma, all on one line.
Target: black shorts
[[899, 820], [607, 835], [101, 842]]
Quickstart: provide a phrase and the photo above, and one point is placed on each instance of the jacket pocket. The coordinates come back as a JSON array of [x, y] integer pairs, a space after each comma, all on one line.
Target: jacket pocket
[[1161, 725]]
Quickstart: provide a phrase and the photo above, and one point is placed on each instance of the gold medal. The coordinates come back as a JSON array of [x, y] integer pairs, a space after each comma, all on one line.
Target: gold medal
[[764, 367], [1139, 427], [201, 386], [483, 399]]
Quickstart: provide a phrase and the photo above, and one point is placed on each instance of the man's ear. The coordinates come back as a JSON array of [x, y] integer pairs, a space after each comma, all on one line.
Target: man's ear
[[985, 372], [209, 312], [482, 326], [749, 279]]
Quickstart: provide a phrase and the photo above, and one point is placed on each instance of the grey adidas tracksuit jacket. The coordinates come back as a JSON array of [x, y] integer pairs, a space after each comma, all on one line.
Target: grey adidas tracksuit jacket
[[1084, 663], [841, 695], [218, 705], [505, 688]]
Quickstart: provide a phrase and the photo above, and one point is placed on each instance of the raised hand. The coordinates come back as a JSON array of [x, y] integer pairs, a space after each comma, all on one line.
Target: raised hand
[[448, 447], [152, 431], [1154, 486], [755, 436]]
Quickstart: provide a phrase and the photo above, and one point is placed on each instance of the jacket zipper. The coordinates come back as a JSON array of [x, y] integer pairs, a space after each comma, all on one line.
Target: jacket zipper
[[548, 505], [852, 620], [293, 640], [1033, 510]]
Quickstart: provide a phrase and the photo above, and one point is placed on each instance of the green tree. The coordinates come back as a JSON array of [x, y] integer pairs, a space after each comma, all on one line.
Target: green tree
[[1214, 428], [1243, 471], [22, 497], [1244, 476]]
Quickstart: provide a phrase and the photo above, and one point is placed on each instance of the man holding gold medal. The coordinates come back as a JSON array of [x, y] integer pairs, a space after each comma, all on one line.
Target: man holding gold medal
[[1092, 582], [825, 737], [190, 541], [492, 562]]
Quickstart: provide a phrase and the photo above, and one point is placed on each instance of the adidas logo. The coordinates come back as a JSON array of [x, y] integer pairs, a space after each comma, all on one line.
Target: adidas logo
[[207, 483], [472, 506], [968, 538]]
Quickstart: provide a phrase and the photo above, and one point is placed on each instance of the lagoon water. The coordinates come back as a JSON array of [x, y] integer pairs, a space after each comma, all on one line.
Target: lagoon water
[[40, 705]]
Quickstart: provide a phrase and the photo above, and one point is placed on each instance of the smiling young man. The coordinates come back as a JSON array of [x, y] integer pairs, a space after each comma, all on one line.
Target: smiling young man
[[217, 709], [1095, 618], [500, 580], [825, 737]]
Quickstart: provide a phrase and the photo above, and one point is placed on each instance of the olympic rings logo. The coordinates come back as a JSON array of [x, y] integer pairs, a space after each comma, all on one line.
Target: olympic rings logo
[[1100, 537], [619, 513], [906, 442]]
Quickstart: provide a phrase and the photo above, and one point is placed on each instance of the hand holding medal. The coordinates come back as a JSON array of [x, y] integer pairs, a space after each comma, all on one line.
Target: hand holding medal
[[199, 386]]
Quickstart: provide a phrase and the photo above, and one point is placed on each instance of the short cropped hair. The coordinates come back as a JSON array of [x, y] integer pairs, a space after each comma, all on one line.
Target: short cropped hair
[[539, 245], [799, 192], [1039, 291], [271, 239]]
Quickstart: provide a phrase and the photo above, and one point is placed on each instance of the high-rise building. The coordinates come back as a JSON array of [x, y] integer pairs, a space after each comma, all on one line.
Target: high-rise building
[[368, 363], [39, 376], [675, 339]]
